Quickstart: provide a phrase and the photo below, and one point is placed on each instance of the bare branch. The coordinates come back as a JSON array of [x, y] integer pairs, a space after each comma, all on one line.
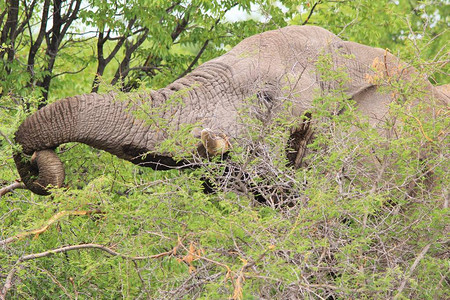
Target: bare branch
[[95, 246], [71, 72], [10, 188], [311, 12], [10, 277], [9, 281]]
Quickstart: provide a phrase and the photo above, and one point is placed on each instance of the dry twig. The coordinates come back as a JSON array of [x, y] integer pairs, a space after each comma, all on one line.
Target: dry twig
[[9, 280]]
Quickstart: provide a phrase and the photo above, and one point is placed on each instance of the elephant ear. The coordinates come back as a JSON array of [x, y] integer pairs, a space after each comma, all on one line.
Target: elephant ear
[[368, 67]]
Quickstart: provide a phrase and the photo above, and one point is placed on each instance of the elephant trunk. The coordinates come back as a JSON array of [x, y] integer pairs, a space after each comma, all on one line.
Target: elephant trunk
[[100, 121], [42, 170]]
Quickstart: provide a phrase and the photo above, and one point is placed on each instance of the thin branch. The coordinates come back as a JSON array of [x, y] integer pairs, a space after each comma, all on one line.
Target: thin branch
[[10, 277], [146, 68], [70, 72], [49, 222], [311, 12], [238, 284], [9, 280], [95, 246], [194, 62], [28, 11], [411, 270], [203, 48], [8, 189], [6, 138], [56, 281], [141, 279], [70, 17]]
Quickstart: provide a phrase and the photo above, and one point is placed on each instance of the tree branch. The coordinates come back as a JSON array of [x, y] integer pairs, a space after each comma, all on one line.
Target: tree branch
[[28, 13], [411, 270], [95, 246], [124, 67], [205, 44], [9, 281], [52, 220], [70, 72], [195, 60], [7, 189], [311, 12], [10, 277]]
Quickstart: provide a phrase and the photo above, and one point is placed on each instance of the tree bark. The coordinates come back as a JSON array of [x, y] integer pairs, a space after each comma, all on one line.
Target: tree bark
[[60, 26], [8, 34], [102, 61]]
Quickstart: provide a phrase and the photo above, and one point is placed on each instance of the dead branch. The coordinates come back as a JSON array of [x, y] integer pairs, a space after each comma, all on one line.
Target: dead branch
[[47, 224], [12, 187]]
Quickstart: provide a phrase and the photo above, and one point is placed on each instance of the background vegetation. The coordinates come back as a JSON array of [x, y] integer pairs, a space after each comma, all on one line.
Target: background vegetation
[[343, 228]]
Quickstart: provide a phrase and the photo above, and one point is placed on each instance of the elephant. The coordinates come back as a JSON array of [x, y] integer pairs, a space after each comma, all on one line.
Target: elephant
[[270, 67]]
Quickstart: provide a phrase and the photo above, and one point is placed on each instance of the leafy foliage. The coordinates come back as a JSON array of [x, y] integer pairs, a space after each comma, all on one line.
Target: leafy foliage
[[367, 218]]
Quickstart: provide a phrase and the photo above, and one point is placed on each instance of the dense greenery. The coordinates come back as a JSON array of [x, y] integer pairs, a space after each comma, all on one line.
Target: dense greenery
[[368, 218]]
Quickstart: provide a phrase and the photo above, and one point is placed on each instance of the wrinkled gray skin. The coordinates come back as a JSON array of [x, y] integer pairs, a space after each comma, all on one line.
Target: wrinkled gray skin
[[277, 64]]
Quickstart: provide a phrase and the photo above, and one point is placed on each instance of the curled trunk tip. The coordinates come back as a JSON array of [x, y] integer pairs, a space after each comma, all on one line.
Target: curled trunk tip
[[43, 170]]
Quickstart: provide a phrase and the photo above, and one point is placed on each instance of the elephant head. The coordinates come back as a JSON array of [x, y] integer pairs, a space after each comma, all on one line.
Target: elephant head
[[274, 66]]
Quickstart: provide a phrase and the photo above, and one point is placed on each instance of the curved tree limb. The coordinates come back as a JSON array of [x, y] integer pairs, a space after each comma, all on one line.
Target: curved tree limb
[[411, 270], [10, 278], [9, 281], [12, 187], [95, 246]]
